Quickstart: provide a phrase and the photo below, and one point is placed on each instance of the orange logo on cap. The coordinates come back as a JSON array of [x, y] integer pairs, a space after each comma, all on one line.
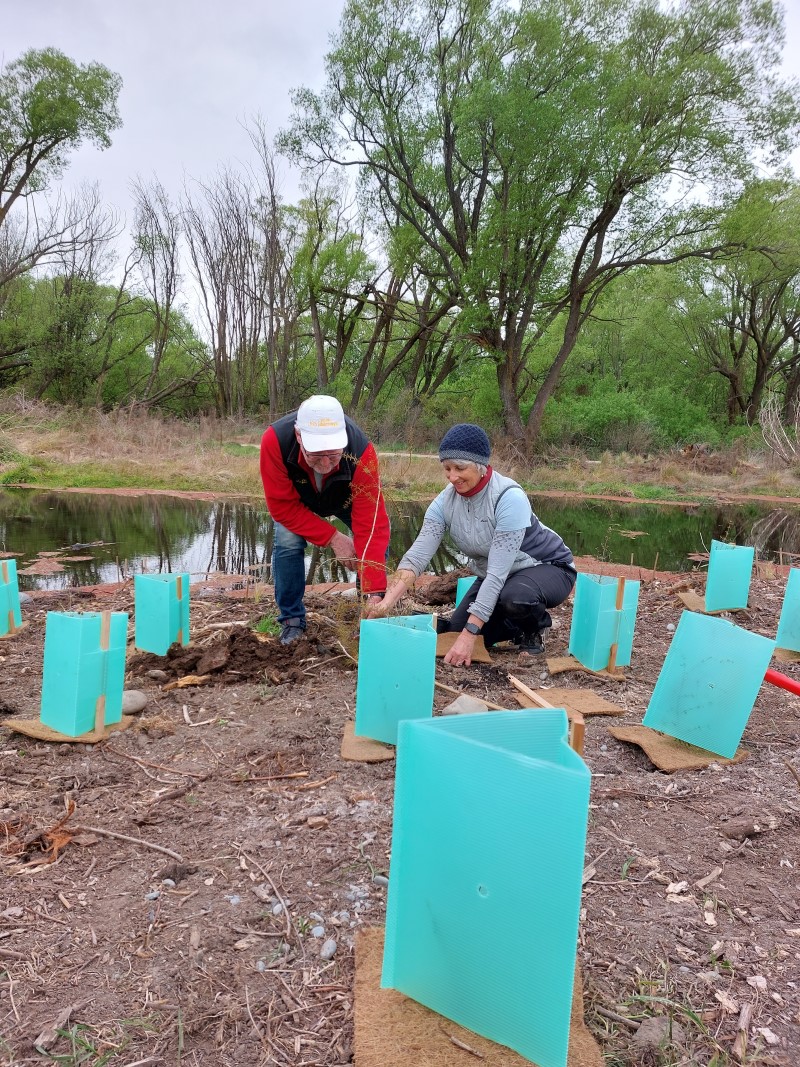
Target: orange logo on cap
[[323, 422]]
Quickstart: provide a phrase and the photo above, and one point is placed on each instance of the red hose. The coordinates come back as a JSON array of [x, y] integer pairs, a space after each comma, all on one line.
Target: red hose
[[782, 681]]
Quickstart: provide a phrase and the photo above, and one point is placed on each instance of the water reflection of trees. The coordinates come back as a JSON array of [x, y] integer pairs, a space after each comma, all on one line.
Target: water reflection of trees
[[159, 534], [777, 536]]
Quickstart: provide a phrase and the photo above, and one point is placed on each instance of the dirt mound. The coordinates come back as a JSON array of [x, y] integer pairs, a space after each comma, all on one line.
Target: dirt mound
[[242, 656]]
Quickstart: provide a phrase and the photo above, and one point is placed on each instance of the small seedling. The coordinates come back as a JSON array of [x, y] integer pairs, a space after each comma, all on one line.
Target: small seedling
[[267, 625]]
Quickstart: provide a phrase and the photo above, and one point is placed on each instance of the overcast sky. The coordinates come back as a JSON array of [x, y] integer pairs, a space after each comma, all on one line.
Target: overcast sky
[[193, 71]]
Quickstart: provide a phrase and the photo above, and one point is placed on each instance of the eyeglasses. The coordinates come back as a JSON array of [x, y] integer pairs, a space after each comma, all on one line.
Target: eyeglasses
[[325, 455], [325, 458]]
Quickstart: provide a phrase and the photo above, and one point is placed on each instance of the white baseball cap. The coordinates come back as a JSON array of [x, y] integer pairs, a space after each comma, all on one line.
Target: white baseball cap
[[320, 420]]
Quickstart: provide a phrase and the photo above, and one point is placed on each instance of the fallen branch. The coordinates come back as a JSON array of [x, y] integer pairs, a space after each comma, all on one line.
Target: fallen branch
[[616, 1017], [793, 771], [133, 840], [156, 766]]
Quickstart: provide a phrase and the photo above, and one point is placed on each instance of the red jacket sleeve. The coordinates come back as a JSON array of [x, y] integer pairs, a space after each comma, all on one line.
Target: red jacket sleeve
[[370, 523], [283, 500]]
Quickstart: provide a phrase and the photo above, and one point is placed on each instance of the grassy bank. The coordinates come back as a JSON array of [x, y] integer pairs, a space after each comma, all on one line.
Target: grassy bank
[[58, 448]]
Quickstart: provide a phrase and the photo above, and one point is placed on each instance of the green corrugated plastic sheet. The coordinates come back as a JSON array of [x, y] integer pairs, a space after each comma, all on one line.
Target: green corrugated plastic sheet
[[159, 615], [485, 884], [596, 623], [709, 683], [77, 672], [9, 596], [462, 586], [396, 668], [729, 571], [788, 635]]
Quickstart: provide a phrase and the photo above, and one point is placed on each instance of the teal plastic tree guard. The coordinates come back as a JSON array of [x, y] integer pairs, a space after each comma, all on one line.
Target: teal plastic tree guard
[[78, 671], [162, 611], [709, 683], [788, 635], [598, 624], [729, 571], [488, 851], [462, 586], [10, 614], [396, 667]]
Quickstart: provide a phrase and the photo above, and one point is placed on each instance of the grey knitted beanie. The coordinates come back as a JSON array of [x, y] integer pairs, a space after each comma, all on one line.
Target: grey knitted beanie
[[467, 443]]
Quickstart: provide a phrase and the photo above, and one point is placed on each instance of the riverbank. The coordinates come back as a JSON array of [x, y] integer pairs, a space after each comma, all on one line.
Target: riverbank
[[53, 448]]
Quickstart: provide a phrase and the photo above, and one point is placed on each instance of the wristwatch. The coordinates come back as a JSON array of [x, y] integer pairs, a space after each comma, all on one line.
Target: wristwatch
[[473, 628]]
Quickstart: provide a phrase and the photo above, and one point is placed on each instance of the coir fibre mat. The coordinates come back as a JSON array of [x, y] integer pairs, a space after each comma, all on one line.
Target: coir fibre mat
[[391, 1030]]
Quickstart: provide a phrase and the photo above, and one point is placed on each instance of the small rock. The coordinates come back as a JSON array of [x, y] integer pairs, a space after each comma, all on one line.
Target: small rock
[[465, 705], [168, 882], [657, 1031], [25, 598], [328, 950], [317, 931], [158, 676], [670, 626], [261, 965], [277, 909], [154, 895], [234, 898], [133, 701], [380, 879]]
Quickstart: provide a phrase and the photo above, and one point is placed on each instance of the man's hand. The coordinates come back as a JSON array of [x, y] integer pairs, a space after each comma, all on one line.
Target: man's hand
[[343, 546], [460, 655]]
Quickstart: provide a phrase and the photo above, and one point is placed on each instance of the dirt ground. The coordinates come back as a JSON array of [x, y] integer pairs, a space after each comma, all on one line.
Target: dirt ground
[[248, 851]]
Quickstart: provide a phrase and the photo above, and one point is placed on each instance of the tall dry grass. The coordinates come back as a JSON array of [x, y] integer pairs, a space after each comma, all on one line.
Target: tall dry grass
[[72, 447]]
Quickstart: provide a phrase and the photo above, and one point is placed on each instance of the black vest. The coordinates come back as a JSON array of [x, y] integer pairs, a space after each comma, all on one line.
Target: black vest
[[335, 496]]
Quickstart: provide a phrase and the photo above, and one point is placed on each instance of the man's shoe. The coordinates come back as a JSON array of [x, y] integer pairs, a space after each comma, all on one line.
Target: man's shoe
[[292, 631]]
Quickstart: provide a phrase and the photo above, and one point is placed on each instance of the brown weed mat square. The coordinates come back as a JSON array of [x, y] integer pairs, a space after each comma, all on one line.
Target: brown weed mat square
[[391, 1030], [786, 655], [363, 749], [561, 664], [694, 602], [37, 729], [582, 700], [668, 753], [444, 642]]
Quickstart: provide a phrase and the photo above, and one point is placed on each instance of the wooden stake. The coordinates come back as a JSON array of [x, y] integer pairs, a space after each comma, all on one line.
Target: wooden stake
[[612, 656], [179, 590], [577, 730], [538, 701], [105, 641], [461, 693], [577, 724], [12, 626]]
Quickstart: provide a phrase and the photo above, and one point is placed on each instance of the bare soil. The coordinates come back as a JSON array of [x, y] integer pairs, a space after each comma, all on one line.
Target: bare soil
[[254, 844]]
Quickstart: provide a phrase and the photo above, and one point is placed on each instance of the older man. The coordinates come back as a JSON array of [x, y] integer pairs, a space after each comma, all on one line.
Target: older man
[[316, 463]]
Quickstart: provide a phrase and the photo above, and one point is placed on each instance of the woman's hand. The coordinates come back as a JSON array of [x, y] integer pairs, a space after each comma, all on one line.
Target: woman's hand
[[460, 655], [378, 609]]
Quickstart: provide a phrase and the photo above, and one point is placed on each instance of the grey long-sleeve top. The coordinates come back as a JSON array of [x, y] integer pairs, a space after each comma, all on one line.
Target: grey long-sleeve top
[[495, 528]]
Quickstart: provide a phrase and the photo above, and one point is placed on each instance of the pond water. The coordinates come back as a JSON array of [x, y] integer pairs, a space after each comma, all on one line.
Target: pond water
[[152, 534]]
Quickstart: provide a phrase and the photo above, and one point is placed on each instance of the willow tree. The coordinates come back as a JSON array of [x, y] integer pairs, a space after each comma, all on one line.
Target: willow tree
[[541, 149]]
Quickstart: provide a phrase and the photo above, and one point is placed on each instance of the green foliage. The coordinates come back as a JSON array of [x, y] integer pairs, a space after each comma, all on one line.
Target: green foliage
[[525, 156], [49, 105], [268, 624]]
